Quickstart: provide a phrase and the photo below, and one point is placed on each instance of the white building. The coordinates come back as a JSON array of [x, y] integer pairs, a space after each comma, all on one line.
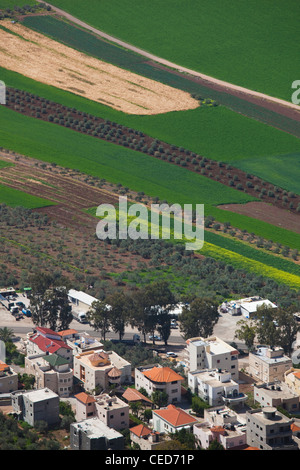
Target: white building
[[81, 299], [216, 387], [221, 424], [269, 365], [211, 353], [246, 307]]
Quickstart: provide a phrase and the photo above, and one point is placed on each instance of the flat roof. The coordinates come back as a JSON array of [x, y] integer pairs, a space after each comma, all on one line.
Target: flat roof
[[82, 297], [95, 428]]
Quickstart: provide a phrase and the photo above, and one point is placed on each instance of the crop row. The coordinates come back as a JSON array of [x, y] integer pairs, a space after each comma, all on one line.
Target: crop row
[[41, 108]]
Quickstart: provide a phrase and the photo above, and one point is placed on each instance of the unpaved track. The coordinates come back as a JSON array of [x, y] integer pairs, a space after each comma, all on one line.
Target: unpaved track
[[225, 86]]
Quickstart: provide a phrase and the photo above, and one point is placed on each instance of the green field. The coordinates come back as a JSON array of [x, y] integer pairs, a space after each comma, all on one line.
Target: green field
[[216, 133], [239, 41], [14, 197], [11, 3], [140, 172], [90, 44], [285, 169]]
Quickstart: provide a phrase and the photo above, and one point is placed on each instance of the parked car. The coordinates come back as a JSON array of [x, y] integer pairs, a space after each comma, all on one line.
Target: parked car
[[21, 305], [26, 312], [155, 337], [171, 354]]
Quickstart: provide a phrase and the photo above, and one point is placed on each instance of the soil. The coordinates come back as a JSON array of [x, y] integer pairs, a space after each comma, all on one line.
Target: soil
[[268, 213], [45, 60]]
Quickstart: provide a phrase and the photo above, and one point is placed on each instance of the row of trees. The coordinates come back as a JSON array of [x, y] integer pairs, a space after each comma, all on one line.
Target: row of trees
[[147, 309], [273, 327]]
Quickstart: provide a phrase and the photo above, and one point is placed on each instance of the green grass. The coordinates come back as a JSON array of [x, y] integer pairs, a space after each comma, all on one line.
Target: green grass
[[52, 143], [4, 164], [14, 197], [284, 169], [239, 41], [11, 3]]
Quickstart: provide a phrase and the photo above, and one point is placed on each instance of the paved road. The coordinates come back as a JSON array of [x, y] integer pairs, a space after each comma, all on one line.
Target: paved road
[[225, 85]]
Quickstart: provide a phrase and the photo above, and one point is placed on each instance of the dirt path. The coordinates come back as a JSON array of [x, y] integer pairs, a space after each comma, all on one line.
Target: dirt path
[[224, 86]]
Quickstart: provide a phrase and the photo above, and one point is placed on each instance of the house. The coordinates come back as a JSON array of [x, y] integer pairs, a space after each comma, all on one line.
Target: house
[[157, 378], [172, 419], [292, 379], [276, 394], [113, 411], [36, 405], [51, 371], [8, 379], [268, 429], [47, 341], [131, 395], [216, 387], [80, 342], [211, 353], [268, 364], [224, 425], [146, 438], [94, 434], [100, 369]]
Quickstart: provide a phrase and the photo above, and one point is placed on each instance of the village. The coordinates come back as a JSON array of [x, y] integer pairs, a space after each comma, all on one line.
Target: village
[[198, 388]]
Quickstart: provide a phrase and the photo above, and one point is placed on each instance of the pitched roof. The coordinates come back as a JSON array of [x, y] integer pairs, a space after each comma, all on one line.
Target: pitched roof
[[85, 398], [175, 416], [295, 428], [131, 394], [141, 430], [162, 375], [67, 332], [46, 331], [297, 374], [3, 366], [47, 344], [55, 360], [114, 372]]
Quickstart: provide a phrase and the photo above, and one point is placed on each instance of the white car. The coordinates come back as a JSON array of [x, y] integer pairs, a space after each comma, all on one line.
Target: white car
[[171, 354], [155, 337]]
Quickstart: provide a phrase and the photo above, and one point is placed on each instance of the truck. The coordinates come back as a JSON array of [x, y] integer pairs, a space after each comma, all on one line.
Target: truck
[[80, 317]]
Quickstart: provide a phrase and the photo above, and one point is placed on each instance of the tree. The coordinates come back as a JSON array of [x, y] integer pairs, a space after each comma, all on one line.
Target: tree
[[159, 398], [99, 317], [119, 313], [49, 303], [287, 328], [198, 405], [215, 445], [199, 318], [6, 334], [246, 332], [267, 332]]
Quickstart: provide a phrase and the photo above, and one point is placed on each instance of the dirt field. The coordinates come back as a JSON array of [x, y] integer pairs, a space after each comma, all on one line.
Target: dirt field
[[47, 61], [268, 213]]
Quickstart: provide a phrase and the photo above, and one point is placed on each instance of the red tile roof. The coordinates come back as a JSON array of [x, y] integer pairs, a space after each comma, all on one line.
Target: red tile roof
[[141, 430], [67, 332], [131, 394], [47, 344], [162, 375], [175, 416], [85, 398]]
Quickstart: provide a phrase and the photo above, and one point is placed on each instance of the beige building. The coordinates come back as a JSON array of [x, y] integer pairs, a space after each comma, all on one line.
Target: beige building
[[51, 371], [99, 369], [157, 378], [269, 365], [292, 379], [276, 394], [268, 429], [211, 353], [111, 410], [8, 379], [146, 438]]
